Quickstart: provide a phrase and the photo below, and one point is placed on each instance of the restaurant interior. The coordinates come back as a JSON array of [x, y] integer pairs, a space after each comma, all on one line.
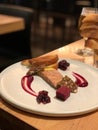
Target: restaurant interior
[[49, 24], [30, 28]]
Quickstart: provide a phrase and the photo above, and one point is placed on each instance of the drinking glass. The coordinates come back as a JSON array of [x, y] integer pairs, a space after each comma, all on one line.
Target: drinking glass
[[86, 51]]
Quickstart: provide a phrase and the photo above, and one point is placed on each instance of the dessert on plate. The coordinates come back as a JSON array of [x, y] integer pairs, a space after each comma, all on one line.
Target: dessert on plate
[[47, 68]]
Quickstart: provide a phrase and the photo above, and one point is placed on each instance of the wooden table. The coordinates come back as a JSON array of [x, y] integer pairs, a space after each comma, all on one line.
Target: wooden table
[[82, 122], [10, 24]]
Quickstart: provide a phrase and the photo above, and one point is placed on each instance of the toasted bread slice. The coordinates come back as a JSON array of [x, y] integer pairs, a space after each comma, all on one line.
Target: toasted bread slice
[[42, 60], [36, 69]]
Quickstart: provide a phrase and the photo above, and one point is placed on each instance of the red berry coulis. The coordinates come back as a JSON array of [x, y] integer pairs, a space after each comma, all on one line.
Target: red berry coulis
[[80, 80], [41, 97]]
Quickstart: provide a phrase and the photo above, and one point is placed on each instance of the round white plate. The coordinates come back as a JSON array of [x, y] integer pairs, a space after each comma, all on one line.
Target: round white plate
[[84, 101]]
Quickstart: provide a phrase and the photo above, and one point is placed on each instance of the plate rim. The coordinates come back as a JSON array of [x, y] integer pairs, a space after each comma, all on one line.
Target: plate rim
[[45, 113]]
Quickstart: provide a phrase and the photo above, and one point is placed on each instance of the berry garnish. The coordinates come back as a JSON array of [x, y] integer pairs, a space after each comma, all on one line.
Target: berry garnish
[[63, 64], [43, 97]]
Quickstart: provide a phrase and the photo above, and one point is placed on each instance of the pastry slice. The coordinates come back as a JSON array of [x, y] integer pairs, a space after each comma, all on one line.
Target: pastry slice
[[51, 76], [56, 80]]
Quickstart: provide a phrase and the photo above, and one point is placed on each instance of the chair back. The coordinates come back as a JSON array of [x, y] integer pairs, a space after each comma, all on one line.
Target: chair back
[[15, 10]]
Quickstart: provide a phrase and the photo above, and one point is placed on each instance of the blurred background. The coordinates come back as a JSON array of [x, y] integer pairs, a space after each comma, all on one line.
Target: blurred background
[[54, 24]]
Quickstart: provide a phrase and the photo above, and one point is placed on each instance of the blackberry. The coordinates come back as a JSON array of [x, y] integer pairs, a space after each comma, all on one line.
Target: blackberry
[[63, 64], [43, 97]]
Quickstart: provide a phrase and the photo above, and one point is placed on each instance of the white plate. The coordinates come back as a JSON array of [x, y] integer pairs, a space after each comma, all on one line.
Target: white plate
[[84, 101]]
